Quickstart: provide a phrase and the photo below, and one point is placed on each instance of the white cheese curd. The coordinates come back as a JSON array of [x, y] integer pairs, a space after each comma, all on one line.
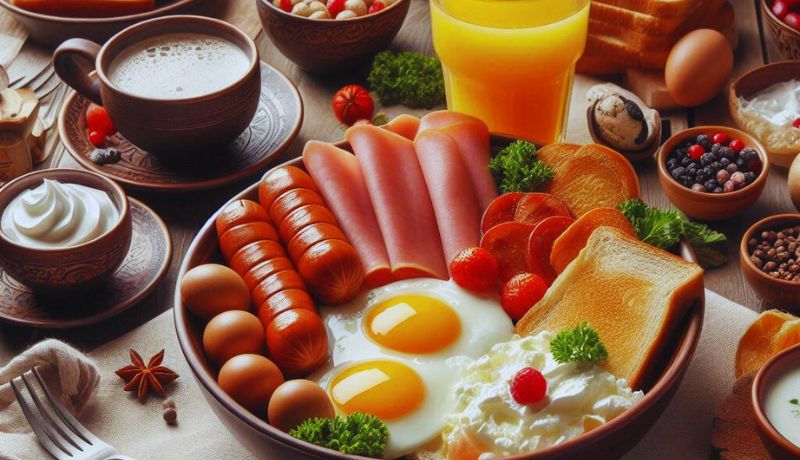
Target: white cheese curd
[[778, 104], [55, 215], [580, 396]]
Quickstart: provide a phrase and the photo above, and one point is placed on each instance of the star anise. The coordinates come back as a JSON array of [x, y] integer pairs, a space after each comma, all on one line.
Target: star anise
[[143, 378]]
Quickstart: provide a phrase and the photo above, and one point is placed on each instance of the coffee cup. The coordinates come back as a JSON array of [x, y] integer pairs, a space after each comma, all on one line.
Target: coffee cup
[[174, 86]]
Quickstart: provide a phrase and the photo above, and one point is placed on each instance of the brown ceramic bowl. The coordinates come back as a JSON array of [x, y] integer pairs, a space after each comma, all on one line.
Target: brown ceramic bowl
[[609, 441], [778, 446], [780, 293], [331, 46], [787, 38], [710, 206], [74, 267], [171, 128], [52, 30], [754, 81]]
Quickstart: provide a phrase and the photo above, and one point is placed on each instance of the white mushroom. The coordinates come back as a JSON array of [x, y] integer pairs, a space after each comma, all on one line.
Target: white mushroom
[[356, 6]]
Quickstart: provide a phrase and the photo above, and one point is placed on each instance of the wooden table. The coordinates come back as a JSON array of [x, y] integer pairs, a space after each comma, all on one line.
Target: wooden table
[[185, 213]]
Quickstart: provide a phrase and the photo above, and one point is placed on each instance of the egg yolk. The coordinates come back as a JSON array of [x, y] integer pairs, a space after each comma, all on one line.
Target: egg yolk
[[386, 389], [414, 324]]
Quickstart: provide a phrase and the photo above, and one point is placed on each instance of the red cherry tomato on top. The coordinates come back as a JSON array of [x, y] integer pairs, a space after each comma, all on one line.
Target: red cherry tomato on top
[[508, 242], [353, 103], [540, 245], [474, 269], [796, 123], [500, 210], [528, 386], [780, 9], [97, 119], [792, 20], [521, 293], [535, 207], [335, 7], [97, 138], [286, 5], [376, 6]]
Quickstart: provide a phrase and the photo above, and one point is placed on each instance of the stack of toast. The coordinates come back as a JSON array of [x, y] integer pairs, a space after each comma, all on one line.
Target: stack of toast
[[641, 33]]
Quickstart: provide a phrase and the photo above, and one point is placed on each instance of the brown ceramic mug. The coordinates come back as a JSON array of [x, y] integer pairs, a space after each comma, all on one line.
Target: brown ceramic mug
[[169, 127]]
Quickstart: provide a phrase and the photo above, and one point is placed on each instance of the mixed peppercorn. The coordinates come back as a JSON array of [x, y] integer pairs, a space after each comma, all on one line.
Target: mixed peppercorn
[[714, 164], [777, 253]]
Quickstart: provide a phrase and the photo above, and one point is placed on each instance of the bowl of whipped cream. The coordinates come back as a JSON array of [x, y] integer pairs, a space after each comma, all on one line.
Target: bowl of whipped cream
[[63, 229]]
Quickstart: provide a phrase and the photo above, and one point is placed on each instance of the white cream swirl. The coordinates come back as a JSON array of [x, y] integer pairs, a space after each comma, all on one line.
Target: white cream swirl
[[55, 215]]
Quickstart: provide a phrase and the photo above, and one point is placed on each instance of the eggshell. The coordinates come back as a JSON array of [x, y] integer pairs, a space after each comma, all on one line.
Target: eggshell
[[698, 67], [250, 380], [210, 289], [233, 333], [297, 401]]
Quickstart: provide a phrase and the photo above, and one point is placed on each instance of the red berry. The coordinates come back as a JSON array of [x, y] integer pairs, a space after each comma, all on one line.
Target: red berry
[[97, 138], [286, 5], [721, 138], [521, 293], [475, 269], [793, 5], [97, 119], [696, 151], [376, 6], [780, 9], [335, 7], [353, 103], [737, 145], [796, 123], [528, 386], [792, 20]]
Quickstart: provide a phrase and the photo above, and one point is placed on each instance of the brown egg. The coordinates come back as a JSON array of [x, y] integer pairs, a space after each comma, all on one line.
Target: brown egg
[[698, 66], [210, 289], [297, 401], [233, 333], [250, 380]]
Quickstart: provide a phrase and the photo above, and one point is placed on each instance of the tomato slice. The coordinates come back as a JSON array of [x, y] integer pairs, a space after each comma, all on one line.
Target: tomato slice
[[540, 245], [508, 242], [535, 207], [500, 210]]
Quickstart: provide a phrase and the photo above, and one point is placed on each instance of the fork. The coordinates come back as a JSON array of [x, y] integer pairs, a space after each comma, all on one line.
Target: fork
[[55, 427]]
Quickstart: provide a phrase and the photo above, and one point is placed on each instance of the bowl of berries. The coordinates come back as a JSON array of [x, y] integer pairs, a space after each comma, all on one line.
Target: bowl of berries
[[712, 172], [783, 20]]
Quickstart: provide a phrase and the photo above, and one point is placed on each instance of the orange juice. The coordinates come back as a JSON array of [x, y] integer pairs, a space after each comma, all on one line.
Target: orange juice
[[511, 62]]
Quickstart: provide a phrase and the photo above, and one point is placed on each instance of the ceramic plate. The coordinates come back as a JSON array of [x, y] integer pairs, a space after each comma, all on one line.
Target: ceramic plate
[[144, 266], [274, 127]]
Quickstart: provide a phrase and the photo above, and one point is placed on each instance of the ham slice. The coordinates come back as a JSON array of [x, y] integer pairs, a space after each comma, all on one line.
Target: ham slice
[[404, 125], [341, 184], [401, 201], [472, 137], [458, 215]]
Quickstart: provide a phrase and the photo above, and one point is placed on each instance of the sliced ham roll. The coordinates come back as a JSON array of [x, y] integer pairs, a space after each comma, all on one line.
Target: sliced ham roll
[[341, 184], [401, 201], [458, 214], [472, 137], [404, 125]]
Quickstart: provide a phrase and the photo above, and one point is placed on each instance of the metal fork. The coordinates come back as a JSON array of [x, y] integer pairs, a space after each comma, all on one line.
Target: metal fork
[[55, 427]]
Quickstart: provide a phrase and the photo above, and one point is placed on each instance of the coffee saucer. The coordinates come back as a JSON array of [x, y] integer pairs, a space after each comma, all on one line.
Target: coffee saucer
[[145, 265], [274, 127]]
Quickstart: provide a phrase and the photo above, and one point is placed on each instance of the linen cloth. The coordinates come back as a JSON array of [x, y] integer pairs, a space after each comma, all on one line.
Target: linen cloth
[[684, 431]]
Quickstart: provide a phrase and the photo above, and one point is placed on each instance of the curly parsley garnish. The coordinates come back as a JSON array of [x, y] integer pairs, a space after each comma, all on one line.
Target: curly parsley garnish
[[516, 169], [581, 343], [358, 434]]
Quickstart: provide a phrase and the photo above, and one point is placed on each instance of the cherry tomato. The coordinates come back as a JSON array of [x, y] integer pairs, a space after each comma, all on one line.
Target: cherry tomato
[[792, 20], [353, 103], [508, 242], [521, 293], [796, 123], [540, 245], [97, 119], [780, 9], [286, 5], [335, 7], [474, 269], [376, 6], [500, 210], [97, 138], [528, 386], [535, 207], [736, 145]]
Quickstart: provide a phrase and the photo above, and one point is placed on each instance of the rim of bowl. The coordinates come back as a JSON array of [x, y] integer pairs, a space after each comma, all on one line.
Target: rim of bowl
[[365, 17], [112, 188], [734, 87], [761, 417], [716, 197], [675, 365], [765, 7], [108, 20], [255, 59], [763, 224]]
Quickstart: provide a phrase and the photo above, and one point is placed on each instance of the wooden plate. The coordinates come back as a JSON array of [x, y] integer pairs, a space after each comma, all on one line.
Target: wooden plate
[[51, 30], [274, 127], [144, 266]]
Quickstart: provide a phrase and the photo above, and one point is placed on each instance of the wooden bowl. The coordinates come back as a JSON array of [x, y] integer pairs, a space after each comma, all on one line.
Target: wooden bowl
[[710, 206], [778, 446], [754, 81], [52, 30], [75, 267], [781, 293], [331, 46], [610, 440], [787, 38]]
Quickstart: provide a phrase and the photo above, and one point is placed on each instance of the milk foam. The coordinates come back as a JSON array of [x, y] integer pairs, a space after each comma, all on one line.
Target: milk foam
[[178, 66]]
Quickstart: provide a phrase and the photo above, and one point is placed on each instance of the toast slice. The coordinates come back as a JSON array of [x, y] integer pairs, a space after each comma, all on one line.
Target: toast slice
[[633, 294], [658, 8]]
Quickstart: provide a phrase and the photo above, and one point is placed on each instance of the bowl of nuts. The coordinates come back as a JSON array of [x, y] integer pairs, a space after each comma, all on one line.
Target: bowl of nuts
[[329, 36], [770, 258], [712, 172]]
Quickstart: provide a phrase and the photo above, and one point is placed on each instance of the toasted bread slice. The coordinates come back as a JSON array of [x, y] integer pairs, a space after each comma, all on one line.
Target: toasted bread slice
[[658, 8], [567, 246], [633, 294]]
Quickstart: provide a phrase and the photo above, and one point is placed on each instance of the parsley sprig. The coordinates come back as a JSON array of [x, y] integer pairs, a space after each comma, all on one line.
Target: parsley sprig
[[516, 169], [581, 343], [358, 434]]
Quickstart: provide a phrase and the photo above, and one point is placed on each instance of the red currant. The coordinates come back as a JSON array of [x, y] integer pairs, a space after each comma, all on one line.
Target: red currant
[[796, 123], [696, 151], [792, 20], [97, 138], [376, 6], [475, 269], [335, 7], [286, 5], [721, 138], [780, 9], [528, 386], [737, 145]]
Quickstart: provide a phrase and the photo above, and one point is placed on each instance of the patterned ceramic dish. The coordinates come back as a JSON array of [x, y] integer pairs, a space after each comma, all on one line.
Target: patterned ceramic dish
[[787, 39]]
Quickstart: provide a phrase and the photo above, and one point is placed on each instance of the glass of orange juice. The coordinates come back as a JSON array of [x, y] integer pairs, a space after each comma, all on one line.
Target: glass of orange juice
[[511, 63]]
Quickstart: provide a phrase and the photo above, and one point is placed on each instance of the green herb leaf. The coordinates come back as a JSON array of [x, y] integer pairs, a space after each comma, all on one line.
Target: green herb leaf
[[409, 78], [358, 434], [579, 344], [794, 401], [516, 169]]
